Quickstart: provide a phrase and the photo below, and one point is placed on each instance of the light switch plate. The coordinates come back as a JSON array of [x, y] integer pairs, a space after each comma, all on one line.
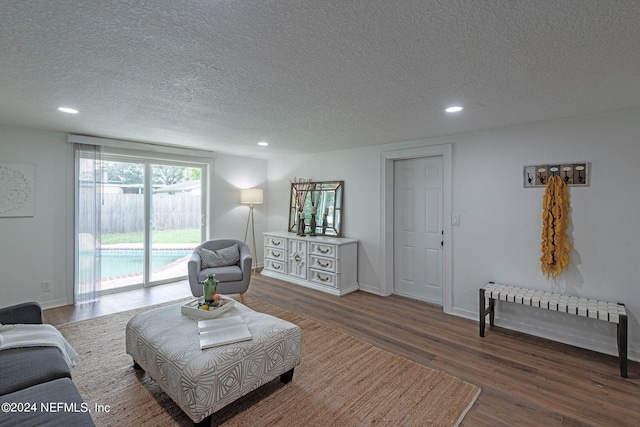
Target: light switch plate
[[455, 219]]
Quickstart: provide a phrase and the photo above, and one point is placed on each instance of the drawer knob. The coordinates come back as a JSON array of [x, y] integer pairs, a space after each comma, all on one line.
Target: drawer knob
[[275, 266], [323, 279], [275, 254], [326, 251], [297, 258], [276, 242], [323, 265]]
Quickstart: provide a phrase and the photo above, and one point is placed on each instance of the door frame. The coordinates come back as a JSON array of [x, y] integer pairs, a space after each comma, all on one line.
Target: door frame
[[387, 159]]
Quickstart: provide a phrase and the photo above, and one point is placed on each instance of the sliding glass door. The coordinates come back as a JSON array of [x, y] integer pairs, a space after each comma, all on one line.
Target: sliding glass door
[[176, 218], [150, 220], [122, 224]]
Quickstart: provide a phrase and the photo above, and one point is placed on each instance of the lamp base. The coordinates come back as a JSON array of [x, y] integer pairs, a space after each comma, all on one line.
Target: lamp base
[[254, 261]]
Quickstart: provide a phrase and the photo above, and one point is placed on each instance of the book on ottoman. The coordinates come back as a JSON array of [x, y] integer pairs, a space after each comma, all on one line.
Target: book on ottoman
[[221, 331]]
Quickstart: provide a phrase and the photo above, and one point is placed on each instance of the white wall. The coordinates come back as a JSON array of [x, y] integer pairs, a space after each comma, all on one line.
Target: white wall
[[38, 248], [499, 235], [34, 249], [233, 173]]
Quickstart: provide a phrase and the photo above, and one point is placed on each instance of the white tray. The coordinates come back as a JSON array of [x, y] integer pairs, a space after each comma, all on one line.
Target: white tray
[[191, 308]]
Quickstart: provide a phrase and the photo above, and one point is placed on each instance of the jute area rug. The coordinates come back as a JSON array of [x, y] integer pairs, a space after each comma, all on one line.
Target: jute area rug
[[342, 381]]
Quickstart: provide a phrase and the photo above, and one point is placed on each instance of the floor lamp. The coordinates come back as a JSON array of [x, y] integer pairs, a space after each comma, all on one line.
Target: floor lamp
[[251, 196]]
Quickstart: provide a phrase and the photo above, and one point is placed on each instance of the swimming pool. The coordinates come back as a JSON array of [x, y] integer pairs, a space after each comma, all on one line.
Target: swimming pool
[[114, 262]]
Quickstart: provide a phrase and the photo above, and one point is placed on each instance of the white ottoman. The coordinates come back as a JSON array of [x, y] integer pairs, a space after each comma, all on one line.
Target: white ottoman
[[166, 344]]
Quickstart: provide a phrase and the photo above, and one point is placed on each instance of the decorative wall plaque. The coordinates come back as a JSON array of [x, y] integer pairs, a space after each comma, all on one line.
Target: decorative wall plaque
[[17, 189]]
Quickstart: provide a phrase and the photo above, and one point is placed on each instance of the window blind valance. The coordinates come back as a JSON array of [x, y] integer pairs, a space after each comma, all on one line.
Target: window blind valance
[[161, 151]]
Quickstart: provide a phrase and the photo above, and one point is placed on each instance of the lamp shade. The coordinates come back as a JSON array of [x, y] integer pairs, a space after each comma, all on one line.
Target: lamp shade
[[251, 195]]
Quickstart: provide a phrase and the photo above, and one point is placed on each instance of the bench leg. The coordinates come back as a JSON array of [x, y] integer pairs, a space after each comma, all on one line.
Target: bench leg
[[482, 313], [484, 310], [622, 345], [492, 311], [287, 376]]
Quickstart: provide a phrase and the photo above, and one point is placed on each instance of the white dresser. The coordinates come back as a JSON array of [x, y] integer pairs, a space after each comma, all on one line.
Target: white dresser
[[328, 264]]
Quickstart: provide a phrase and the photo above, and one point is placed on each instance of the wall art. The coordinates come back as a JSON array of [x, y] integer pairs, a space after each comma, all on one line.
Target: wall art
[[17, 189]]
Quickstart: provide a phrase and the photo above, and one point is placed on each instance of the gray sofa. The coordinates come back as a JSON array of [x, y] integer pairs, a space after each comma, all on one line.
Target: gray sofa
[[36, 386]]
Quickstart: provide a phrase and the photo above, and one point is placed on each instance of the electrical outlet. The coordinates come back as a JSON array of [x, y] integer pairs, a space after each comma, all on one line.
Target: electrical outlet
[[46, 286], [455, 219]]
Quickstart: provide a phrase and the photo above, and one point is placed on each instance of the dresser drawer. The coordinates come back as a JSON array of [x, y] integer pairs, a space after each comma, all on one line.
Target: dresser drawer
[[275, 254], [275, 242], [322, 263], [324, 278], [323, 249], [276, 266]]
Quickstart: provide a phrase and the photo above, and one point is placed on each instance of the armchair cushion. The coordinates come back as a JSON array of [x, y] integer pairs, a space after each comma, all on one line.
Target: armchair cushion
[[229, 273], [220, 258]]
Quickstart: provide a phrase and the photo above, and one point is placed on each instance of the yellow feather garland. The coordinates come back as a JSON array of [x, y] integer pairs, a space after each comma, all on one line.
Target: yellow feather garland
[[555, 221]]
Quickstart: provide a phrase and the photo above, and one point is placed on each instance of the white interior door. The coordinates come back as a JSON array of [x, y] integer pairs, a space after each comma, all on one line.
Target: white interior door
[[418, 232]]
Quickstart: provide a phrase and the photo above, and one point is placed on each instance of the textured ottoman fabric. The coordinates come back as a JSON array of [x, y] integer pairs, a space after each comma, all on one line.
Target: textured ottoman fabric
[[166, 344]]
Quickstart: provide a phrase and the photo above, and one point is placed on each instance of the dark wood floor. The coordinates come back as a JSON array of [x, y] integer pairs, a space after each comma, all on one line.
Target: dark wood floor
[[525, 381], [114, 303]]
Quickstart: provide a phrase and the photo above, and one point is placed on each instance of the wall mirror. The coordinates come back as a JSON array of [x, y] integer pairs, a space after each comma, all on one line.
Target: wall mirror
[[324, 201]]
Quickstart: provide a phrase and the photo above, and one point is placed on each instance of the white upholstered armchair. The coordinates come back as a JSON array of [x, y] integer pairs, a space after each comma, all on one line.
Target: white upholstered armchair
[[231, 266]]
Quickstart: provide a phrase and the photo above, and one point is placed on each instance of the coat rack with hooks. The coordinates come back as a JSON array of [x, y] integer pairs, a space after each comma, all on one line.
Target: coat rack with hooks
[[573, 174]]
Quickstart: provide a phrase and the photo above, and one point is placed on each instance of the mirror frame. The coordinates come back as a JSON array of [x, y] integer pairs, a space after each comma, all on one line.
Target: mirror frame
[[322, 190]]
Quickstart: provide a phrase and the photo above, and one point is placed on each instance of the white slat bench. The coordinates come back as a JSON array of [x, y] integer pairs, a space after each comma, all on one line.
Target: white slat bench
[[595, 309]]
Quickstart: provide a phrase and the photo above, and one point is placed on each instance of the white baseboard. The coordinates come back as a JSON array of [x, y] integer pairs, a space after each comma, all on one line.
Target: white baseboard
[[53, 304], [371, 289], [465, 313]]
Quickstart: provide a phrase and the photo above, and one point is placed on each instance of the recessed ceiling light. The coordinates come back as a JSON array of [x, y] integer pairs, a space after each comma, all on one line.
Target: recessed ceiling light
[[68, 110], [454, 109], [263, 143]]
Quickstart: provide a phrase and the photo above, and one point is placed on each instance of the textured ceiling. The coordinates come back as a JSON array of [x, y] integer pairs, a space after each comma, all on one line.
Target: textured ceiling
[[311, 75]]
